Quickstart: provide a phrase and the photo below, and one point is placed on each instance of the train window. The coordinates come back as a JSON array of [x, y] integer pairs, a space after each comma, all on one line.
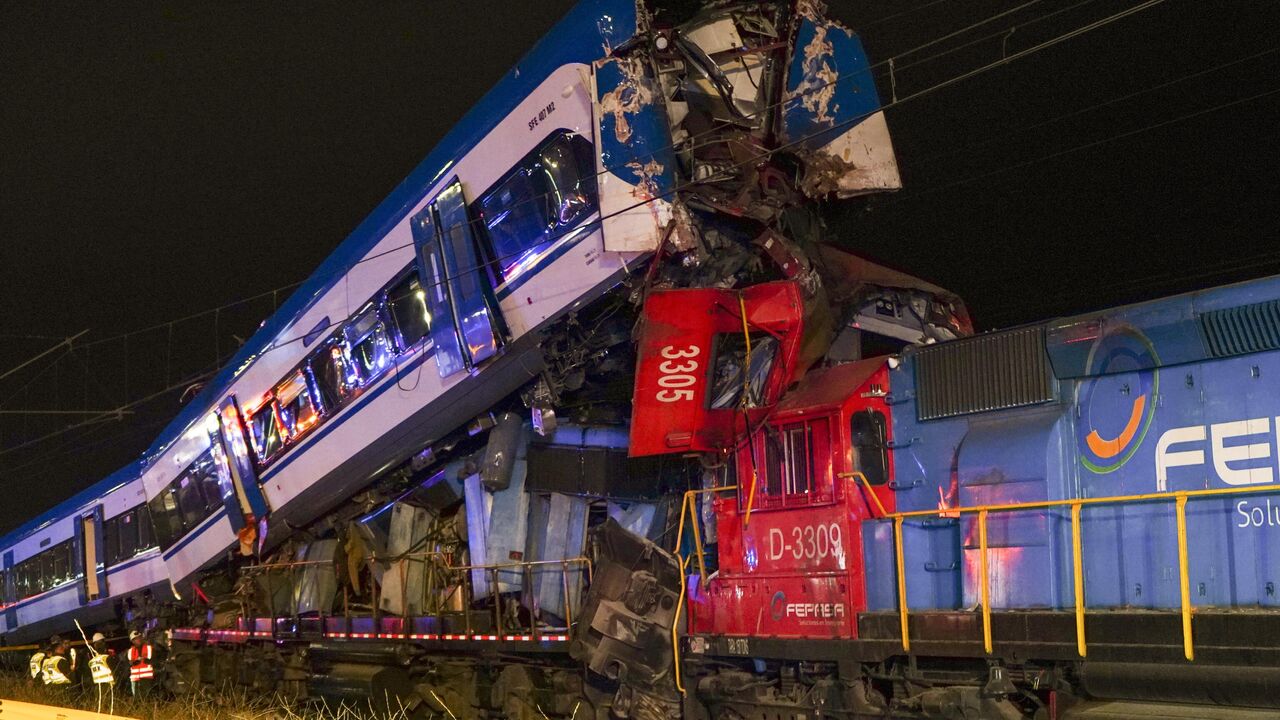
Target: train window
[[48, 570], [408, 304], [298, 410], [61, 565], [334, 377], [799, 464], [552, 190], [726, 369], [264, 430], [870, 452], [128, 536], [142, 521], [794, 471], [190, 503], [187, 501], [164, 517], [111, 539], [370, 345], [774, 457]]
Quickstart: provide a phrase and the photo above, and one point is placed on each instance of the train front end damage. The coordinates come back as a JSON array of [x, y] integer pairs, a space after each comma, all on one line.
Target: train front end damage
[[520, 565]]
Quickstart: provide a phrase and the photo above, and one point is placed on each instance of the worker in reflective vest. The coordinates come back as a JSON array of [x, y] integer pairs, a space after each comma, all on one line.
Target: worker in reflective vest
[[141, 672], [57, 667], [37, 664], [100, 669]]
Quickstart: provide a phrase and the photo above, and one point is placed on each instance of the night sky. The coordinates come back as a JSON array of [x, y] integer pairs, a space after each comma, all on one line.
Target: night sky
[[163, 160]]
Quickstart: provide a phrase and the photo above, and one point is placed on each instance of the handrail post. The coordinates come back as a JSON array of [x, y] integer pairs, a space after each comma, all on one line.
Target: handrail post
[[697, 538], [985, 588], [902, 583], [1077, 572], [675, 625], [1184, 579], [527, 577], [497, 600], [568, 607], [684, 503]]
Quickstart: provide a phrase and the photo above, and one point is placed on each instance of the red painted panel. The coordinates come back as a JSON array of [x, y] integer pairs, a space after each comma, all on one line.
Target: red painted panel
[[670, 411]]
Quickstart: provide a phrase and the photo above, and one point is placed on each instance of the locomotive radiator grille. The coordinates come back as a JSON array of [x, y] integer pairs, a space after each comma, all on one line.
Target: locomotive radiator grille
[[1243, 329], [989, 372]]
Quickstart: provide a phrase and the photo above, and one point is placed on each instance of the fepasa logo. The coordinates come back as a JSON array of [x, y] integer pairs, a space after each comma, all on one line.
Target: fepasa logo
[[1117, 402], [1240, 451], [779, 608]]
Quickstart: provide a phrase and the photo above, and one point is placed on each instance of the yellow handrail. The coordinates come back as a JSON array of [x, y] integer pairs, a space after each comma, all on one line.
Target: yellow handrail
[[1180, 497], [1077, 576], [986, 581], [675, 626], [902, 584], [688, 506], [1184, 579], [746, 397]]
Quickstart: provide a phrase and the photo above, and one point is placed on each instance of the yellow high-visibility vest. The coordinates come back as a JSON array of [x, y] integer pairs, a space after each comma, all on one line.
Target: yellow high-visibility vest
[[37, 664], [53, 674]]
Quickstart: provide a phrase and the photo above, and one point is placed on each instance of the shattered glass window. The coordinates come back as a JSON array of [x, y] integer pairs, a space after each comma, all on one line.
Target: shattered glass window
[[408, 304], [298, 411], [726, 373], [335, 379], [264, 431], [540, 202], [369, 343]]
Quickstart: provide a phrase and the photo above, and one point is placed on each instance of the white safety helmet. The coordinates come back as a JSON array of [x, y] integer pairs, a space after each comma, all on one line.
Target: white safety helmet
[[134, 634], [97, 637]]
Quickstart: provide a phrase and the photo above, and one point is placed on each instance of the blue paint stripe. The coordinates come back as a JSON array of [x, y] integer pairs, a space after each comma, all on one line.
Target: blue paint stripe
[[149, 555]]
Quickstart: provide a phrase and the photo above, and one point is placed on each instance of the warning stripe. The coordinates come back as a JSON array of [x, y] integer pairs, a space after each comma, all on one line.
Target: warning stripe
[[212, 636]]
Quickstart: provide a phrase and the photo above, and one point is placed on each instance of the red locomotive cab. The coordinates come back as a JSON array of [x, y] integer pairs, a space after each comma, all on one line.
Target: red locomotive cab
[[790, 555]]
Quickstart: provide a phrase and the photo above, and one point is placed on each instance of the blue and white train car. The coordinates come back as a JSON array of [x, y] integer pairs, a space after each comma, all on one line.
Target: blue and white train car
[[555, 187], [429, 312], [94, 555]]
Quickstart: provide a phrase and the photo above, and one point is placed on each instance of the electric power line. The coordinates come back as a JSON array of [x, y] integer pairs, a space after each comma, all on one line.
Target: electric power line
[[897, 102], [1089, 145]]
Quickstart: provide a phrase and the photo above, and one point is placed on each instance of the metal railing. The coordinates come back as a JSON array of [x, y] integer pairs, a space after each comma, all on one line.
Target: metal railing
[[688, 508], [1179, 498]]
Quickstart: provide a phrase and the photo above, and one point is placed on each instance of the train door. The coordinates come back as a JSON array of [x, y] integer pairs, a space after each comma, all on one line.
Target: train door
[[92, 556], [10, 592], [236, 474], [465, 322]]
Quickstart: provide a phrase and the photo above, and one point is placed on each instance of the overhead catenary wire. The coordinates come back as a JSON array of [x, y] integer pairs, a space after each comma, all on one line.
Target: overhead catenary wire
[[813, 89], [897, 102], [1097, 106], [818, 87], [1089, 145], [771, 151]]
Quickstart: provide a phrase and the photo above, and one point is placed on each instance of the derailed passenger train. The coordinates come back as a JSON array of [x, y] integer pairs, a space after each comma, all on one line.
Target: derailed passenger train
[[588, 419], [632, 148]]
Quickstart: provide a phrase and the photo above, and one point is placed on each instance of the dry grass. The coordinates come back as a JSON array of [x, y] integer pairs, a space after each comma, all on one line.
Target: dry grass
[[238, 704]]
